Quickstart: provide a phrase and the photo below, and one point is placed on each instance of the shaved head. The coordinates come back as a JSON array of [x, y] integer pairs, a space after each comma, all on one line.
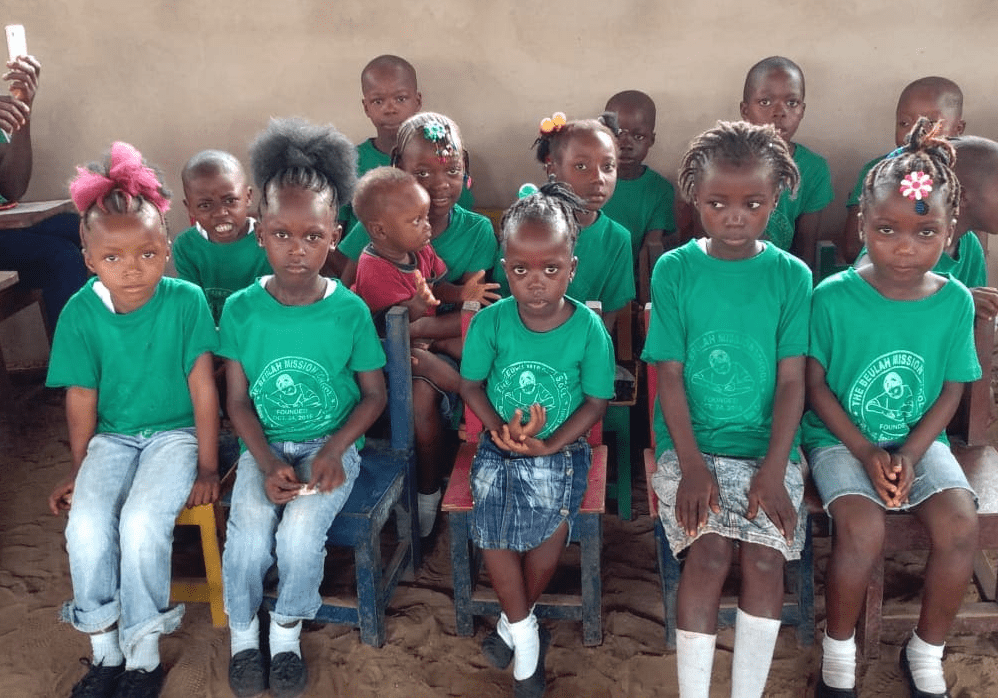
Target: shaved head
[[634, 100], [388, 64], [763, 68], [943, 90], [210, 163]]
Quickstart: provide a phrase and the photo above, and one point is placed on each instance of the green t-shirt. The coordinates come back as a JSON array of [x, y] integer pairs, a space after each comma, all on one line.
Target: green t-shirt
[[219, 269], [555, 369], [969, 267], [729, 323], [468, 243], [138, 362], [300, 360], [369, 157], [886, 360], [815, 192], [858, 189], [643, 204], [605, 271]]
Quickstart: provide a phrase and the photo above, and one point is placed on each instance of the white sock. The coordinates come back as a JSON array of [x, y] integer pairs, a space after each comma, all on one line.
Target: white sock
[[926, 662], [502, 627], [755, 640], [838, 662], [284, 639], [107, 648], [145, 655], [428, 505], [526, 647], [249, 639], [695, 660]]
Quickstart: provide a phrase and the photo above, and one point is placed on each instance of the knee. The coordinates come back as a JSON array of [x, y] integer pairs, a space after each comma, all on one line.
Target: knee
[[709, 556], [860, 531], [957, 529], [761, 562], [143, 530], [90, 527]]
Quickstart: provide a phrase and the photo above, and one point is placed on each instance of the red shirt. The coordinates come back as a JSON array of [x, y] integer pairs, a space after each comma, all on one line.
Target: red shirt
[[382, 283]]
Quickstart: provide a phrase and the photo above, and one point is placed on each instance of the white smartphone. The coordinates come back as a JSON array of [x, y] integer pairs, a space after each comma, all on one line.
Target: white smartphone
[[17, 45]]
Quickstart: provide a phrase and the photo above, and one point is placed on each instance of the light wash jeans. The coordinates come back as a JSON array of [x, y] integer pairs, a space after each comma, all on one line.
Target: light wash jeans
[[294, 535], [120, 533]]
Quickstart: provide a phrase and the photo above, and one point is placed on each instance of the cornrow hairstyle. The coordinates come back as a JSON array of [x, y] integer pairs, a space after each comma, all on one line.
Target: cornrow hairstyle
[[549, 145], [738, 143], [433, 128], [146, 179], [554, 204], [925, 150], [374, 187], [293, 152]]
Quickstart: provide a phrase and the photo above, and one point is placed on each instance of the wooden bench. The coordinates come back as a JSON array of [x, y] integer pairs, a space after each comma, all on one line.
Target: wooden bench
[[14, 297]]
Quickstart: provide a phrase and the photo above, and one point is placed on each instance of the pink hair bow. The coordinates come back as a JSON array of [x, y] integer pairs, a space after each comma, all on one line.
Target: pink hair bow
[[127, 174]]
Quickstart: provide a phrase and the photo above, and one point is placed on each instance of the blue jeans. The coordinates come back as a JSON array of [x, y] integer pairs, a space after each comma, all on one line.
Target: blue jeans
[[293, 535], [120, 533], [47, 256]]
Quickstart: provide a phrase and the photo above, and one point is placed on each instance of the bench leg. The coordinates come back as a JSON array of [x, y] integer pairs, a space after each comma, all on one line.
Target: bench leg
[[591, 541], [805, 590], [618, 420], [460, 560], [370, 611]]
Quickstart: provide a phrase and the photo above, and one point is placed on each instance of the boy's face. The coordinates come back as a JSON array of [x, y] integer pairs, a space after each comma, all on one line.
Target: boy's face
[[219, 202], [128, 252], [637, 134], [443, 181], [403, 225], [588, 164], [390, 97], [777, 99], [931, 104]]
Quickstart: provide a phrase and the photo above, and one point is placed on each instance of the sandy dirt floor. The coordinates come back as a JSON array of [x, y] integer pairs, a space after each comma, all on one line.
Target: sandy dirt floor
[[424, 657]]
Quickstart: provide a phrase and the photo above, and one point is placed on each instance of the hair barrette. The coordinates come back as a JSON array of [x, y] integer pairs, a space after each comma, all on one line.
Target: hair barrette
[[553, 123], [916, 186], [526, 190], [436, 133]]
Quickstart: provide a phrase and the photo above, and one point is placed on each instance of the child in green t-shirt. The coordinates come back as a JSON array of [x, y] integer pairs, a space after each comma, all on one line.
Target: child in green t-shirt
[[219, 252], [304, 384], [133, 350], [643, 200], [891, 347], [728, 335], [935, 98], [537, 371]]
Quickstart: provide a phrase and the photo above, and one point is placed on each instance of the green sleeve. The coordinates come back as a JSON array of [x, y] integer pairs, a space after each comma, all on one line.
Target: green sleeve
[[598, 366], [480, 349], [368, 354], [201, 333], [183, 260], [666, 330], [792, 332], [355, 242], [71, 361]]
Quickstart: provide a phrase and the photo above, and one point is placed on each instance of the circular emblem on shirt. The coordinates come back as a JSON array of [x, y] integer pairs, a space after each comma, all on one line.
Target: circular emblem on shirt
[[292, 391], [525, 383], [889, 395], [725, 370]]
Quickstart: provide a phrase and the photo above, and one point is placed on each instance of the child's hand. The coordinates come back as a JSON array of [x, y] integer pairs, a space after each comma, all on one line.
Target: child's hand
[[423, 299], [883, 473], [62, 496], [527, 446], [205, 489], [521, 432], [474, 289], [985, 302], [768, 492], [281, 484], [905, 469], [327, 473], [697, 494]]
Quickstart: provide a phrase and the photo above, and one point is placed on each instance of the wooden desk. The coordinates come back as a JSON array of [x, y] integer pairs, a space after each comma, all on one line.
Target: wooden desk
[[28, 213]]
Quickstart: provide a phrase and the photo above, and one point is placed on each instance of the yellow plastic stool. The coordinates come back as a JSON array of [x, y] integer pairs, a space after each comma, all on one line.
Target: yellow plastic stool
[[209, 589]]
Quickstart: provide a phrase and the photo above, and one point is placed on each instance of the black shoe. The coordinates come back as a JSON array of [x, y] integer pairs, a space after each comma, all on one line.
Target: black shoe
[[248, 673], [139, 683], [99, 682], [496, 651], [288, 675], [823, 691], [906, 673], [533, 687]]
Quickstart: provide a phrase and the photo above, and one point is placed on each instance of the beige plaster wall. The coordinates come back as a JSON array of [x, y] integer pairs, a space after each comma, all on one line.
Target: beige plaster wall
[[176, 77]]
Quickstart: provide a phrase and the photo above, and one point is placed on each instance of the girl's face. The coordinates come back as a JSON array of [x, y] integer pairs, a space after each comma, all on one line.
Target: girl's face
[[539, 264], [587, 162], [734, 202], [128, 252], [903, 245], [443, 181], [297, 229]]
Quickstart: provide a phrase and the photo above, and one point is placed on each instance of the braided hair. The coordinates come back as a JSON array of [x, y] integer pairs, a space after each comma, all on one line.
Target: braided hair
[[549, 145], [738, 143], [433, 128], [925, 150], [121, 182], [293, 152], [555, 205]]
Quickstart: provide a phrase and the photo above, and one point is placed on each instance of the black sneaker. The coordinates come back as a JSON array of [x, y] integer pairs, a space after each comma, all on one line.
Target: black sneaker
[[496, 651], [139, 683], [288, 675], [910, 680], [248, 673], [99, 682], [533, 687], [823, 691]]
